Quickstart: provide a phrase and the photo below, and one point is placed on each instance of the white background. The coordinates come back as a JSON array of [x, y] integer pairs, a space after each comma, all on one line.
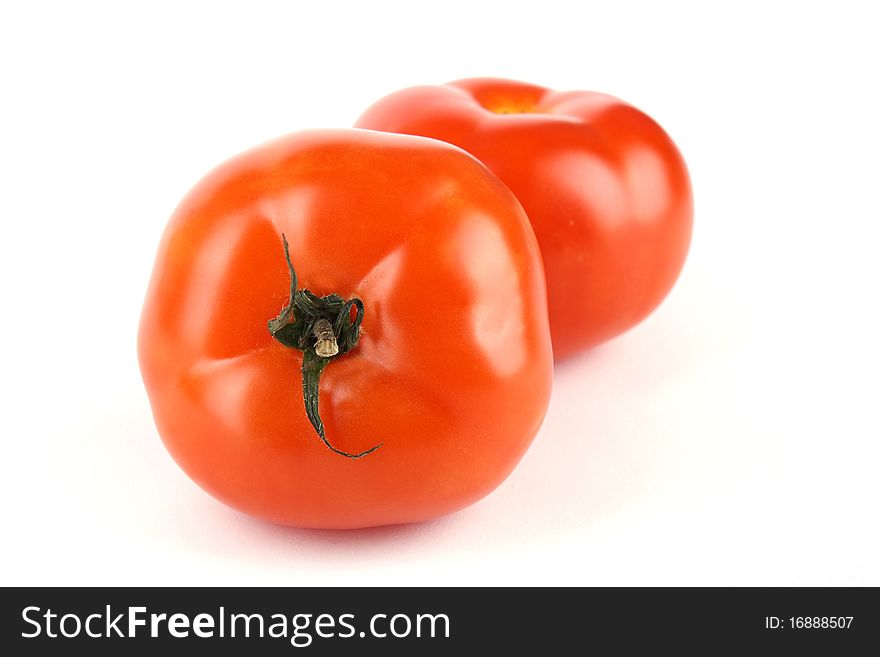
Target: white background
[[732, 438]]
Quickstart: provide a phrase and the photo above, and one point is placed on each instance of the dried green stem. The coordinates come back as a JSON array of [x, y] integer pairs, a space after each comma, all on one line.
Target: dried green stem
[[322, 329]]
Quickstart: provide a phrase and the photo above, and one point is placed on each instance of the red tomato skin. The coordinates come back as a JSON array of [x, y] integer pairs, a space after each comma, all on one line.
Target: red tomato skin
[[605, 188], [453, 369]]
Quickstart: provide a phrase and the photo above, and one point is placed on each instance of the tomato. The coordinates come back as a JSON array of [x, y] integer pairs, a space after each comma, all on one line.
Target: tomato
[[393, 366], [605, 188]]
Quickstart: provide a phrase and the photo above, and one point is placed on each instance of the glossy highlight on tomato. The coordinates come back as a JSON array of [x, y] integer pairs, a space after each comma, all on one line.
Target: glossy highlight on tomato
[[451, 365], [605, 188]]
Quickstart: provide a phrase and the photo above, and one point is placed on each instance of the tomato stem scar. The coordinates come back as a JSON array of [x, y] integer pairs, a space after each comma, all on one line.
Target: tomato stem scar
[[322, 329]]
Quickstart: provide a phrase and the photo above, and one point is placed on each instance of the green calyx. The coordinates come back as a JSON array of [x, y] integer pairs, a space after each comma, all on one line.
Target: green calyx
[[322, 329]]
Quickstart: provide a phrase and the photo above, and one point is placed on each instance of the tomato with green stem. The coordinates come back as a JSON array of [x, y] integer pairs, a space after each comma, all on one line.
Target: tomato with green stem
[[346, 329], [605, 187]]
